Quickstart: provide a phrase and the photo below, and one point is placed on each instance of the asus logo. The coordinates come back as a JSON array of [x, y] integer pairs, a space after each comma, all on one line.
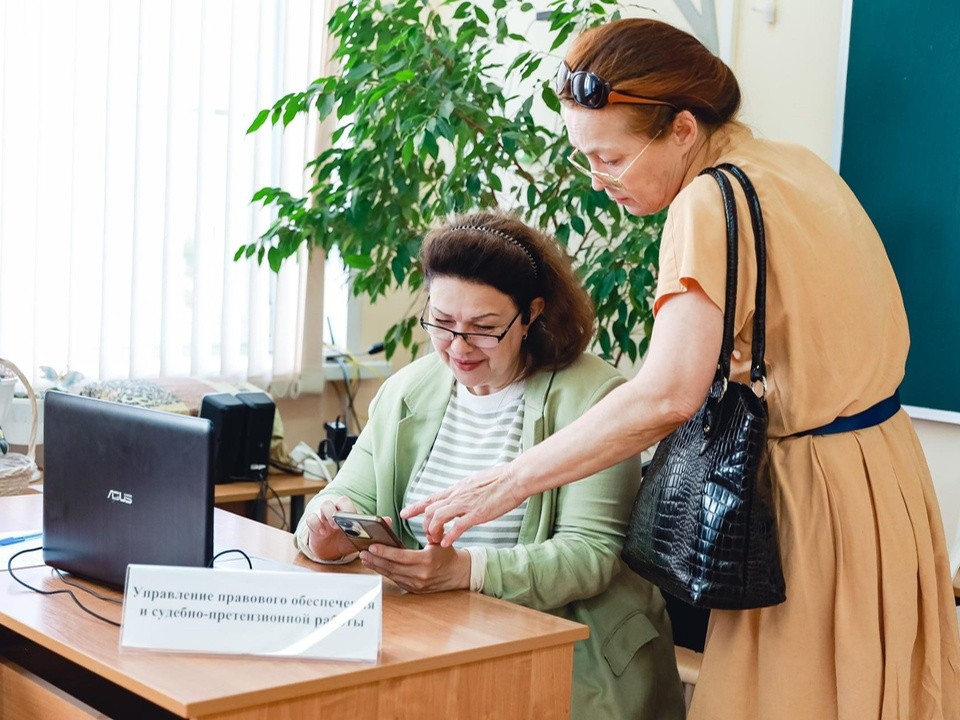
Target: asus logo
[[117, 496]]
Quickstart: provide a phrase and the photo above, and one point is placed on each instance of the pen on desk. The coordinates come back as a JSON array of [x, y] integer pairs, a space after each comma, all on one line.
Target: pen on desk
[[19, 539]]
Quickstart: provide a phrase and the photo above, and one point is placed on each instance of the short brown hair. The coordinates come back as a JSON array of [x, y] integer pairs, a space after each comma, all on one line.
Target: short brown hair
[[653, 59], [500, 250]]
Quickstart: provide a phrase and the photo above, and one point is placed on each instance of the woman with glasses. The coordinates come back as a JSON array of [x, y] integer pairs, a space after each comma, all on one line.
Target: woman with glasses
[[868, 629], [509, 323]]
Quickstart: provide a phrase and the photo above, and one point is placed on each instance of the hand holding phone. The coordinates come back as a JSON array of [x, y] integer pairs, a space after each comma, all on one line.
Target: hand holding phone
[[366, 530], [325, 539]]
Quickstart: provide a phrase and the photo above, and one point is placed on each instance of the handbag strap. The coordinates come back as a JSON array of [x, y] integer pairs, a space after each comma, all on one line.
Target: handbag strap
[[758, 366], [730, 298]]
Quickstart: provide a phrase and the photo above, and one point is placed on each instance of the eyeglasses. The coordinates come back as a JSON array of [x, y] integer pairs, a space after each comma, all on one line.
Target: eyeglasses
[[592, 91], [477, 340], [606, 179]]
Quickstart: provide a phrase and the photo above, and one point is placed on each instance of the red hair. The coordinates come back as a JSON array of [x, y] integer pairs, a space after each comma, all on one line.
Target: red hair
[[652, 59]]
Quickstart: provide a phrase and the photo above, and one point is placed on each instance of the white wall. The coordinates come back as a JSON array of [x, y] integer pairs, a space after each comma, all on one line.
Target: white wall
[[788, 71]]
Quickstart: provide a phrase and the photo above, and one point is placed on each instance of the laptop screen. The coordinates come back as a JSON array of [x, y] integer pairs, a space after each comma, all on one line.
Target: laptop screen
[[122, 485]]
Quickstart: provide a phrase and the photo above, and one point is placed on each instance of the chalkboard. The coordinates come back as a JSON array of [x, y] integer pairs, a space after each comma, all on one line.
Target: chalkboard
[[901, 156]]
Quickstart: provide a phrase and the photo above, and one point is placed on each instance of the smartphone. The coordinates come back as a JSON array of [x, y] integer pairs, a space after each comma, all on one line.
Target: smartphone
[[365, 530]]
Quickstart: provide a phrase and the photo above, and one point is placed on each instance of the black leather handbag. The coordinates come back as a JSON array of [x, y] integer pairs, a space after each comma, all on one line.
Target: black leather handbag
[[702, 526]]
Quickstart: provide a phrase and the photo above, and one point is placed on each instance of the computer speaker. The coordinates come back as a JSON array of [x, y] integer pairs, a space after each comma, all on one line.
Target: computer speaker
[[229, 418], [255, 451]]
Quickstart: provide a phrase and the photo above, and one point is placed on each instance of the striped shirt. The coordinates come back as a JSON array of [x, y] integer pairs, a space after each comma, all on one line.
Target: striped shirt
[[476, 433]]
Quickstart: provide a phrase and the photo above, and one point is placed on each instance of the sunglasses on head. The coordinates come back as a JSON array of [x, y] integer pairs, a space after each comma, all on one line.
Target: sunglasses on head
[[591, 91]]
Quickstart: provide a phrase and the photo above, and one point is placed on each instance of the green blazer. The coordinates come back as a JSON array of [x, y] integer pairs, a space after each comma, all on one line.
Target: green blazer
[[567, 559]]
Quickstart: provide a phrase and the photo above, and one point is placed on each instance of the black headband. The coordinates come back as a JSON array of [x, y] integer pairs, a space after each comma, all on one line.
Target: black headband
[[508, 238]]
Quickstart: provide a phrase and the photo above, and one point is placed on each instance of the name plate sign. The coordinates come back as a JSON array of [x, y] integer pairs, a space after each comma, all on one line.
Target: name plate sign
[[334, 616]]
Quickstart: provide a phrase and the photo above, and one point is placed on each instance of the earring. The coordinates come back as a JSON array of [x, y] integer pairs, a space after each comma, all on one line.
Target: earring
[[524, 336]]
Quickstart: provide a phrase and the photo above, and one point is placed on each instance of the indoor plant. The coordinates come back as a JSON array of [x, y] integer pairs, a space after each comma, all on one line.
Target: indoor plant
[[425, 127]]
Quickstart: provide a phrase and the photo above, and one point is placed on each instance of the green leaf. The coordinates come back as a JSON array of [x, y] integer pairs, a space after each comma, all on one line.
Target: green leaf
[[266, 194], [400, 265], [473, 185], [603, 338], [360, 262], [359, 72], [550, 99], [530, 69], [430, 144], [275, 259], [258, 121], [561, 37], [291, 111], [325, 105]]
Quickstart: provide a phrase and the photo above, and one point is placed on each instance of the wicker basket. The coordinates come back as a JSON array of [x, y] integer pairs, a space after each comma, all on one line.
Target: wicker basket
[[16, 470]]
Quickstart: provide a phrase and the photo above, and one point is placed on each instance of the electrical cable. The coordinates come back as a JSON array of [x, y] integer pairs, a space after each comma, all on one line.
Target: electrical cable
[[279, 513], [325, 450], [264, 487], [59, 592], [343, 445], [338, 357], [87, 590], [351, 387], [349, 408], [232, 550], [342, 356]]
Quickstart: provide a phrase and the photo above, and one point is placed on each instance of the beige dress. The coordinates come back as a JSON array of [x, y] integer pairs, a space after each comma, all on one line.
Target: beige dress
[[869, 626]]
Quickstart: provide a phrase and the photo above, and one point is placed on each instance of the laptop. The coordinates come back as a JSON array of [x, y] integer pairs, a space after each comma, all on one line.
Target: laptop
[[123, 484]]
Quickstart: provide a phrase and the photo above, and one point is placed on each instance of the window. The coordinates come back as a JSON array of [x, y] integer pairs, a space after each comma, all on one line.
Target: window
[[125, 180]]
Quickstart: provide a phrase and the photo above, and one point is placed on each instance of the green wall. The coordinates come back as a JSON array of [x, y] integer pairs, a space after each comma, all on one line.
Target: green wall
[[901, 156]]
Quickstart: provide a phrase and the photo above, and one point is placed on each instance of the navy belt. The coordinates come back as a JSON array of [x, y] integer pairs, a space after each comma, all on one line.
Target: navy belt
[[873, 415]]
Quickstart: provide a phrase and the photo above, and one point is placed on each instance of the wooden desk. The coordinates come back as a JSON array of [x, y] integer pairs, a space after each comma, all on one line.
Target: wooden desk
[[295, 487], [449, 655]]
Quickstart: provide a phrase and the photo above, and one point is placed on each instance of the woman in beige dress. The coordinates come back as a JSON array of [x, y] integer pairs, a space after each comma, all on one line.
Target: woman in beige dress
[[868, 629]]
